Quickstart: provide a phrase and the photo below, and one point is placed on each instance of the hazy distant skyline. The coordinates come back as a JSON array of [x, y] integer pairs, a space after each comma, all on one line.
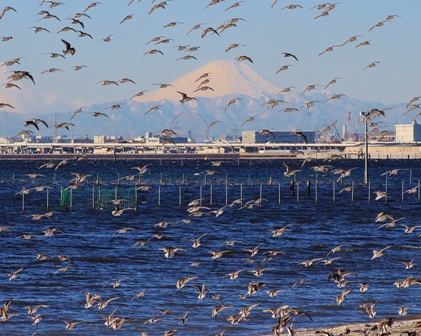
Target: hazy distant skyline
[[266, 33]]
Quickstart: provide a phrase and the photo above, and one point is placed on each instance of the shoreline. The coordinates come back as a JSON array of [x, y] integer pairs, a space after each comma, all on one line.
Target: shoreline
[[399, 326]]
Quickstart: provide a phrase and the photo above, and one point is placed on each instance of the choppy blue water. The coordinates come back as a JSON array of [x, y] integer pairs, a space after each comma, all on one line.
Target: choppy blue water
[[317, 222]]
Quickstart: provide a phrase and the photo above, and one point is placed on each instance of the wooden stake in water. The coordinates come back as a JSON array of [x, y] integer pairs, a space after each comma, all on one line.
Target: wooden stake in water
[[205, 180], [115, 193], [71, 199], [48, 205], [93, 198], [23, 202], [99, 197], [179, 197], [200, 194], [261, 190], [352, 193], [159, 196], [291, 187], [298, 193], [135, 198], [54, 178], [161, 181], [210, 192], [403, 193], [333, 192], [419, 192], [386, 185], [226, 194], [279, 194], [226, 179], [315, 190], [241, 194]]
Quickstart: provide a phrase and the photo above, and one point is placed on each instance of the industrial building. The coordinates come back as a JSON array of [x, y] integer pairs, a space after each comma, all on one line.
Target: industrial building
[[408, 133], [256, 137]]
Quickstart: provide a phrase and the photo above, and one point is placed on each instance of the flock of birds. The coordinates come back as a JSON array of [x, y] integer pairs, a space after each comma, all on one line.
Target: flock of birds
[[78, 24], [166, 241], [213, 267]]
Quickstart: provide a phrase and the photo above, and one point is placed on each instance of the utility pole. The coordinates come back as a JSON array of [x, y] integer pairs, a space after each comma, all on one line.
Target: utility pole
[[55, 128], [366, 119]]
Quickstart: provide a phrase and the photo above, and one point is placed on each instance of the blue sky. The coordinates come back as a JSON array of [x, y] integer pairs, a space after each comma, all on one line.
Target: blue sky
[[266, 33]]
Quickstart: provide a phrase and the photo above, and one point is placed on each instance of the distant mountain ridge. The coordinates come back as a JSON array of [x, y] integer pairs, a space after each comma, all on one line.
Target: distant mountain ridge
[[227, 80]]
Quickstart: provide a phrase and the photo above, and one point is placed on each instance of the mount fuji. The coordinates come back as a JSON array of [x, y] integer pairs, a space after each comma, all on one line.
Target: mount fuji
[[225, 81]]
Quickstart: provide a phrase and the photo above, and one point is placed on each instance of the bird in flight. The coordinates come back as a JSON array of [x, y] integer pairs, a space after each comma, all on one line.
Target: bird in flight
[[249, 119], [234, 45], [286, 54], [243, 58], [185, 98], [232, 101], [69, 49], [153, 108], [300, 134], [212, 123], [267, 133], [371, 65]]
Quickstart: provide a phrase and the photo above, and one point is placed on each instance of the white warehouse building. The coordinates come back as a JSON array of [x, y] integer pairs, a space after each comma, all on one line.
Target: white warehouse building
[[407, 133]]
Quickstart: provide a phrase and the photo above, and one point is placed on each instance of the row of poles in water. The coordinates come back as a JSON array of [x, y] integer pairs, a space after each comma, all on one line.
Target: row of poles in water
[[295, 190]]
